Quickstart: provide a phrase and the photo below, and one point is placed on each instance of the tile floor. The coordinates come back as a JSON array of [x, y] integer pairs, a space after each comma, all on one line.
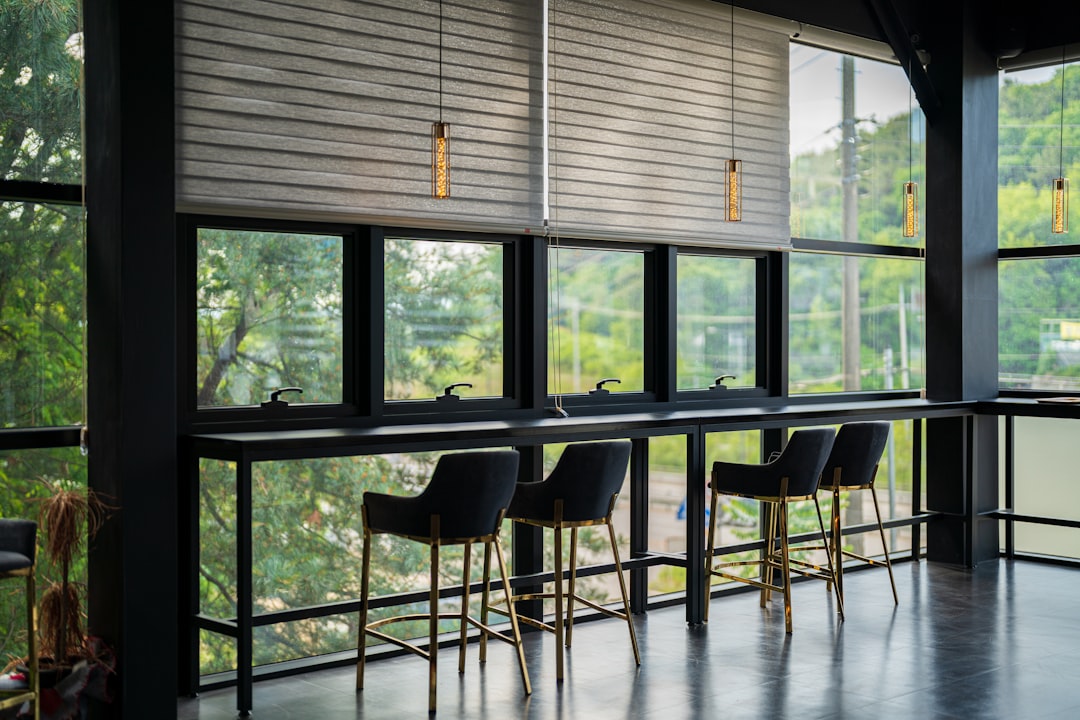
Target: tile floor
[[1001, 641]]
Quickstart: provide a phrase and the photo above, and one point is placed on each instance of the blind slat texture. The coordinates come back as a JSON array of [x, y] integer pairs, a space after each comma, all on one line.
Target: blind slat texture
[[323, 108], [319, 108], [640, 122]]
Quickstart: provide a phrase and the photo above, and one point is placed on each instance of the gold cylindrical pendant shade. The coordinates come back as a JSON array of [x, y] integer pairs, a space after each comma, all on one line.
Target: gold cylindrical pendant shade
[[911, 209], [733, 187], [440, 160], [1060, 223]]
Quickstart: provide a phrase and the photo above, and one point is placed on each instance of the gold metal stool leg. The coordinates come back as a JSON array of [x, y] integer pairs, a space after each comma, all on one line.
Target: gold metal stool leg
[[514, 626], [464, 607], [625, 595], [709, 552], [572, 588], [884, 546], [365, 577]]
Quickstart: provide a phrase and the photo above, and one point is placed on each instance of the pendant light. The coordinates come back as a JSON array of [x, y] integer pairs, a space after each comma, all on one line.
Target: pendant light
[[911, 188], [440, 136], [733, 167], [1060, 221]]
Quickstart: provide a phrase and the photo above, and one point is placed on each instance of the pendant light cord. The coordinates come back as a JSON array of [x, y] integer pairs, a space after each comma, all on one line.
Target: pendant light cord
[[732, 70], [555, 287], [440, 59], [910, 120], [1061, 126]]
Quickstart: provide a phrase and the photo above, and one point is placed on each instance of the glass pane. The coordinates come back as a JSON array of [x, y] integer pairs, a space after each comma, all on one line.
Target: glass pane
[[307, 547], [26, 478], [716, 321], [737, 519], [596, 316], [1039, 324], [873, 343], [1045, 468], [42, 284], [852, 149], [269, 316], [893, 485], [444, 318], [41, 92], [1034, 147]]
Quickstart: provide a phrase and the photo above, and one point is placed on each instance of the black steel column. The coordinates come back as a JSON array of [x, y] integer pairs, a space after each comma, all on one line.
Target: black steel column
[[961, 280], [695, 527], [131, 306], [527, 544], [639, 522]]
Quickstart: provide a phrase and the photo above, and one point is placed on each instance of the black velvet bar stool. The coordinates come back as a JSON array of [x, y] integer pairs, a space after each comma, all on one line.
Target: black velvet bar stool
[[18, 551], [853, 465], [464, 503], [579, 492], [792, 476]]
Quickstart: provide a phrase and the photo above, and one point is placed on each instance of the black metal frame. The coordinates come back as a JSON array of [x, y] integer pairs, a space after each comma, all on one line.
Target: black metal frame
[[527, 435]]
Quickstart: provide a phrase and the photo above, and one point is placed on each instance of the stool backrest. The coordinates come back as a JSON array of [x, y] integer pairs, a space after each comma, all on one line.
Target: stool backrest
[[587, 475], [469, 489], [803, 458], [856, 452]]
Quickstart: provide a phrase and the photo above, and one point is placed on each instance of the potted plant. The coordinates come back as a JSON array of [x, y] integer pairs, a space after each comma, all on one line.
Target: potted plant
[[68, 518]]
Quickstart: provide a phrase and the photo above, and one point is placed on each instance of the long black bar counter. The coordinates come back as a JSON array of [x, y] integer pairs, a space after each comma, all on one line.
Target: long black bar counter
[[245, 448]]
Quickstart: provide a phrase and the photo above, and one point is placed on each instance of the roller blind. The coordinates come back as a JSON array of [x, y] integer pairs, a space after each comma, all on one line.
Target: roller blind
[[640, 122], [323, 109]]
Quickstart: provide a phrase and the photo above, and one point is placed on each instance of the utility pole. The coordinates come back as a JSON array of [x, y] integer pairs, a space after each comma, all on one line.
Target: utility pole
[[849, 182]]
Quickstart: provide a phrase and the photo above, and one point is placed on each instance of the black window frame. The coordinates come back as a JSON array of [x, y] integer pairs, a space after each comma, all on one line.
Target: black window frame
[[191, 415]]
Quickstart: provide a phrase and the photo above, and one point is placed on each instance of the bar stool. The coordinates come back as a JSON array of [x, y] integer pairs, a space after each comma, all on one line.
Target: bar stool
[[18, 551], [792, 476], [853, 465], [464, 503], [579, 492]]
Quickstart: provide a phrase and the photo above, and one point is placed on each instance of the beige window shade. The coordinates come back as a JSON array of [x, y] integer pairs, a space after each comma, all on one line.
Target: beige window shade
[[323, 109], [640, 122]]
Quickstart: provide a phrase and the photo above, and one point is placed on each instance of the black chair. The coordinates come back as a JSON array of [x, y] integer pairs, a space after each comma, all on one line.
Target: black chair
[[792, 476], [853, 465], [464, 503], [18, 552], [579, 492]]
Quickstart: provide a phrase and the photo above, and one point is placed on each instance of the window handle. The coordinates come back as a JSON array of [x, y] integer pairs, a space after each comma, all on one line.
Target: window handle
[[719, 382], [448, 392], [276, 402], [600, 389]]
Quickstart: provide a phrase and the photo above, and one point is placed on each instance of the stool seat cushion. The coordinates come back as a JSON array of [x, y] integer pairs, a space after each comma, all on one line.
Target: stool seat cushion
[[13, 561]]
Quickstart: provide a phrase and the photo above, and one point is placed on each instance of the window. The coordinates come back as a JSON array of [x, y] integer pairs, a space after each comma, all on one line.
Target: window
[[853, 149], [596, 319], [885, 323], [1038, 296], [41, 314], [855, 283], [717, 321], [444, 319], [269, 316]]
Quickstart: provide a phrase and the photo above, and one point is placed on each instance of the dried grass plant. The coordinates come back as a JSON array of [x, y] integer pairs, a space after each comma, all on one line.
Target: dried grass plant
[[69, 517]]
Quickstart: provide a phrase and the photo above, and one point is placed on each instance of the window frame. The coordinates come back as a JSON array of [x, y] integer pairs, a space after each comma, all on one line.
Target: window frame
[[763, 290], [653, 300], [512, 397], [192, 415]]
